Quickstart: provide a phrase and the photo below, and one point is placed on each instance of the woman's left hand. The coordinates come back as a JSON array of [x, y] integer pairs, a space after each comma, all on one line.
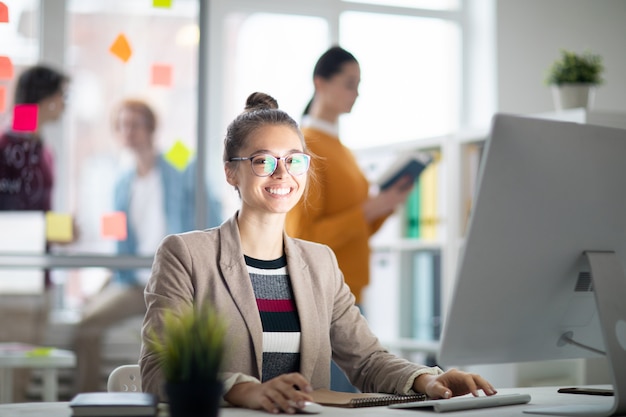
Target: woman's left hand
[[452, 383]]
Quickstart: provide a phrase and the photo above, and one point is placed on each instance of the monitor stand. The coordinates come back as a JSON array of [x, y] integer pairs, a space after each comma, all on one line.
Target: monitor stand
[[609, 285]]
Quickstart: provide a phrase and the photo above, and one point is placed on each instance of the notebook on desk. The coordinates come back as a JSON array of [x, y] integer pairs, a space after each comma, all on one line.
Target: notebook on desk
[[355, 400], [466, 403]]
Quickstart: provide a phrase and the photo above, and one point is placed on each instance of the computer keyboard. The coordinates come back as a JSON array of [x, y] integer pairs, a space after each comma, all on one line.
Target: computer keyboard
[[466, 403]]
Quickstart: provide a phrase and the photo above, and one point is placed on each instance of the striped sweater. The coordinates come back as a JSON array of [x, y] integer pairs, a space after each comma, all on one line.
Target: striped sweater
[[279, 316]]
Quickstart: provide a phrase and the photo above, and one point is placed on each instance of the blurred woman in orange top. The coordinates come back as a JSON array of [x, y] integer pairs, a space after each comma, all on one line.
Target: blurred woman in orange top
[[338, 210]]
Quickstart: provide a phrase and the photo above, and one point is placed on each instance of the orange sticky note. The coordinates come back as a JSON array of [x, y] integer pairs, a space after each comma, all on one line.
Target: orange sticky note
[[121, 48], [161, 74], [113, 226], [178, 155], [59, 227], [162, 3], [25, 117], [4, 13], [6, 68], [3, 98]]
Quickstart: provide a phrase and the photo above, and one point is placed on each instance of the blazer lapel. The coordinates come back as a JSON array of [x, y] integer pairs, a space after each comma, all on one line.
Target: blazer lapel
[[237, 279], [307, 310]]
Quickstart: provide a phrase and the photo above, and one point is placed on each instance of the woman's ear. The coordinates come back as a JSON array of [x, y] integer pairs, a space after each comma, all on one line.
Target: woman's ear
[[229, 171]]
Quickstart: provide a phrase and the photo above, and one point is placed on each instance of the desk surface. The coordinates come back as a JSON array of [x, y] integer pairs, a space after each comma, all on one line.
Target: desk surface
[[544, 396]]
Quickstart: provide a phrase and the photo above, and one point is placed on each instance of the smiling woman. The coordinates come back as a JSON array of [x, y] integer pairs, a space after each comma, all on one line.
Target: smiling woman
[[284, 298]]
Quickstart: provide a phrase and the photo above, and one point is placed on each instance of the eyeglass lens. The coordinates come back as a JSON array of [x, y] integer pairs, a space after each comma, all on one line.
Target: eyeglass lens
[[265, 165]]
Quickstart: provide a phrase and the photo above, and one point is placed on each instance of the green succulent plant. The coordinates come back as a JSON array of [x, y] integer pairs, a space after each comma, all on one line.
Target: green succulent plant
[[191, 346], [576, 68]]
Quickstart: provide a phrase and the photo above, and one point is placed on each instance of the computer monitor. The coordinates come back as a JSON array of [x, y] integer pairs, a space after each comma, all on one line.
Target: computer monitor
[[541, 274]]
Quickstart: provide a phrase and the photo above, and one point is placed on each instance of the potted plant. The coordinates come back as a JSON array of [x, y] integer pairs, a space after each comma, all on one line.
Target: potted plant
[[191, 350], [574, 78]]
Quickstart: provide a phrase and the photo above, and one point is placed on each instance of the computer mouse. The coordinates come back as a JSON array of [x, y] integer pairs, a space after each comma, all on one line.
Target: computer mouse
[[310, 408]]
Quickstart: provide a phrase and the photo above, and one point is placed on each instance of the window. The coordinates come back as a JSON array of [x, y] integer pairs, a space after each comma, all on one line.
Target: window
[[411, 53], [410, 77]]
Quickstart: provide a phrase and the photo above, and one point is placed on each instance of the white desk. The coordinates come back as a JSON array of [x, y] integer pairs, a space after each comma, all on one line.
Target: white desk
[[17, 355], [540, 397]]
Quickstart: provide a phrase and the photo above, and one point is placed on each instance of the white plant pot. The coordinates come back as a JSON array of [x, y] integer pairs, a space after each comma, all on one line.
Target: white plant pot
[[571, 96]]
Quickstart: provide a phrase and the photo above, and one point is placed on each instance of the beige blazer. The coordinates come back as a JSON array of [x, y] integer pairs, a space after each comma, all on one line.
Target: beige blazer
[[208, 266]]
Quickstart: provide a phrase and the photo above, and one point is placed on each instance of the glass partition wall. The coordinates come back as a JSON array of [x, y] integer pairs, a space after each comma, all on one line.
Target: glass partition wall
[[111, 51]]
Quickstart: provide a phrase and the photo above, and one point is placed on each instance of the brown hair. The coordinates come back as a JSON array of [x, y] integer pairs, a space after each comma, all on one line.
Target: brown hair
[[138, 106], [261, 110]]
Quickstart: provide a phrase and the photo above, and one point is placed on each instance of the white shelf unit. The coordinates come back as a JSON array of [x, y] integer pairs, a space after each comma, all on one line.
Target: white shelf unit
[[390, 280]]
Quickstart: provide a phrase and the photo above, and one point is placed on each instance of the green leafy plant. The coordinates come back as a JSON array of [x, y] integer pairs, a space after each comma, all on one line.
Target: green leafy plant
[[191, 345], [576, 68]]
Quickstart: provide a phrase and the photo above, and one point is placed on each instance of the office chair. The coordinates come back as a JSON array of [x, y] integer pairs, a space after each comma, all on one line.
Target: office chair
[[124, 378]]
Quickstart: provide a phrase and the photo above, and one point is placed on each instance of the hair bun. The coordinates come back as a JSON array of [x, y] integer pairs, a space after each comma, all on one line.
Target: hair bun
[[260, 101]]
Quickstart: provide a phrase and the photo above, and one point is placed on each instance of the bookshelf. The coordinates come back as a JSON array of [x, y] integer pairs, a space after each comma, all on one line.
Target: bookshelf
[[396, 272], [414, 255]]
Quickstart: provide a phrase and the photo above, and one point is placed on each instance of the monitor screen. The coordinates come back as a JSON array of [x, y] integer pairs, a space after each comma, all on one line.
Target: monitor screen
[[551, 198]]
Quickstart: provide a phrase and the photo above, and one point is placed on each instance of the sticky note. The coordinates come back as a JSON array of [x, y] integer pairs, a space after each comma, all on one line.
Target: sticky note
[[59, 227], [4, 13], [161, 74], [3, 99], [162, 3], [113, 226], [6, 68], [25, 117], [40, 351], [121, 48], [178, 155]]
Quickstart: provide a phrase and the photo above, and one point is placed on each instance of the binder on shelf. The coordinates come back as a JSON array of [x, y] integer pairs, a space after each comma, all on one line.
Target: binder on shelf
[[472, 156], [412, 213], [426, 295], [429, 196]]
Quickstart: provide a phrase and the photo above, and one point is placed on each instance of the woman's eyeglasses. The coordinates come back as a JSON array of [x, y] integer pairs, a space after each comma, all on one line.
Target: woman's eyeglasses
[[264, 165]]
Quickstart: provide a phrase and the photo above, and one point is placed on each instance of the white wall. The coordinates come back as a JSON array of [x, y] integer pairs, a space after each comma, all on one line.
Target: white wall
[[530, 35]]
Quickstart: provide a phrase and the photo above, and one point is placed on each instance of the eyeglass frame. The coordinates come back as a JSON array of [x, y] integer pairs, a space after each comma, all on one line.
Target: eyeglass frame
[[277, 158]]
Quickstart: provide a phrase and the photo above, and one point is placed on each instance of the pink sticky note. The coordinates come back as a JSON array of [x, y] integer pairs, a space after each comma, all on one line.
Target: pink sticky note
[[25, 117], [3, 99], [6, 68], [113, 226], [4, 13], [161, 74]]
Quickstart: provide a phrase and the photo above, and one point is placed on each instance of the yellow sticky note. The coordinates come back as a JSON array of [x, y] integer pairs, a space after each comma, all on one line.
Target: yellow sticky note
[[162, 3], [40, 352], [6, 68], [161, 74], [59, 227], [121, 48], [113, 226], [4, 13], [179, 155]]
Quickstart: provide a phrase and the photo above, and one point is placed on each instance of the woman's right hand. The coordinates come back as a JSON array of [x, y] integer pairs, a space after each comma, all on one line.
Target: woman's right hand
[[387, 200], [284, 393]]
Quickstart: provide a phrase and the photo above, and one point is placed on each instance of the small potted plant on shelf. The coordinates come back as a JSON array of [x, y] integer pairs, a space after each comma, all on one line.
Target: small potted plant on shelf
[[191, 349], [574, 78]]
